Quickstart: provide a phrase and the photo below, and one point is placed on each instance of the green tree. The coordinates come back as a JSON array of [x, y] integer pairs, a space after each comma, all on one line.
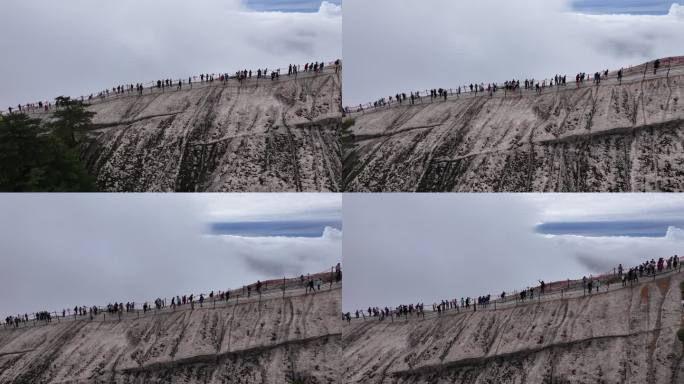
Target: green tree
[[71, 118], [32, 158], [18, 135]]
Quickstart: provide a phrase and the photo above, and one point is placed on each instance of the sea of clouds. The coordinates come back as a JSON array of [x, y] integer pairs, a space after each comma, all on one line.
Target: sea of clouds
[[76, 47], [58, 251], [409, 248], [392, 46]]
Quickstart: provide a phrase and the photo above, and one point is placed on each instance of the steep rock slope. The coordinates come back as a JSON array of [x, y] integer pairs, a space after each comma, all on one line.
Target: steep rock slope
[[272, 341], [259, 136], [610, 137], [623, 336]]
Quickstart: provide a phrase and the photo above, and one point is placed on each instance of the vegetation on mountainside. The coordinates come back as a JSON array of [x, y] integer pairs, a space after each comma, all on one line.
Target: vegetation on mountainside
[[44, 157]]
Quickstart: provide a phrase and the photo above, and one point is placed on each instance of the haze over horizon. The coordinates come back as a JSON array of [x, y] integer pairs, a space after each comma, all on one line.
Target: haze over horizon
[[404, 248], [78, 47], [101, 248], [386, 49]]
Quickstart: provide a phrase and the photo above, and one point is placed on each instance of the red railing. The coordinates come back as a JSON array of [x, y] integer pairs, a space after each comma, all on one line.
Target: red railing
[[552, 291], [270, 289]]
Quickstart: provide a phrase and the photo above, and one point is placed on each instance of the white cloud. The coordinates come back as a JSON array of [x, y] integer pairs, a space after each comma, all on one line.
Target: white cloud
[[392, 46], [596, 255], [330, 10], [330, 233], [401, 248], [260, 206], [274, 257], [76, 47], [674, 234], [677, 11], [607, 206], [61, 250]]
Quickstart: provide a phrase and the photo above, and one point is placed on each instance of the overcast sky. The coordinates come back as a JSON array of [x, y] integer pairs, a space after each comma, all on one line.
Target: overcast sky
[[61, 250], [76, 47], [391, 46], [406, 248]]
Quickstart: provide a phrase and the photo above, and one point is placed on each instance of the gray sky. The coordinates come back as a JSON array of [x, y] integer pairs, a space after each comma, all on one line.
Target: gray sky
[[405, 248], [76, 47], [392, 46], [62, 250]]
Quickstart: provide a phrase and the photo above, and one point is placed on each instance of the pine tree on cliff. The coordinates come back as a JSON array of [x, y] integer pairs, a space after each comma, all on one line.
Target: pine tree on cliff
[[71, 117], [33, 159]]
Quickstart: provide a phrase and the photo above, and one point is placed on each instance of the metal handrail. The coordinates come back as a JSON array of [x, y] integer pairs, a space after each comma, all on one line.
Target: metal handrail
[[95, 98], [271, 289], [553, 291], [667, 64]]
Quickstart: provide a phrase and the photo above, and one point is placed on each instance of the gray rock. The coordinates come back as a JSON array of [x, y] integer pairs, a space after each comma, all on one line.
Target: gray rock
[[626, 335], [265, 136], [274, 341], [608, 138]]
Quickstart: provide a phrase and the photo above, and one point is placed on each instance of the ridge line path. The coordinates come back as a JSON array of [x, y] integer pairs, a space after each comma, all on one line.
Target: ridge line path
[[630, 76], [512, 300]]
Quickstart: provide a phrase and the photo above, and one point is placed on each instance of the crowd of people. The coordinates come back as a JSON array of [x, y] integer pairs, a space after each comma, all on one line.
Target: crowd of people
[[589, 284], [382, 313], [412, 98], [418, 309], [39, 106], [310, 284], [491, 88], [647, 268], [163, 84], [15, 321]]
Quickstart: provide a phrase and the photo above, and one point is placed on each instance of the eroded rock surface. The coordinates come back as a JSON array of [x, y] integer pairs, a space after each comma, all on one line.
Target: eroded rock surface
[[613, 137], [265, 136], [626, 335], [275, 341]]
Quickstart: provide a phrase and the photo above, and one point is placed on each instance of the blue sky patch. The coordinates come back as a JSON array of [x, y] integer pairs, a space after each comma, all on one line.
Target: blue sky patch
[[609, 228], [288, 5], [633, 7], [273, 228]]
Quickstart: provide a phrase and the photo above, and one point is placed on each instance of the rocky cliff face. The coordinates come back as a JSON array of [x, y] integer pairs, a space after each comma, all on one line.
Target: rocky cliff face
[[260, 136], [276, 340], [622, 336], [610, 137]]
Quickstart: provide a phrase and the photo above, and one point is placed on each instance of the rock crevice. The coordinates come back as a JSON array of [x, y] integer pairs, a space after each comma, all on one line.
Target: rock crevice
[[266, 341], [625, 335], [257, 137]]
